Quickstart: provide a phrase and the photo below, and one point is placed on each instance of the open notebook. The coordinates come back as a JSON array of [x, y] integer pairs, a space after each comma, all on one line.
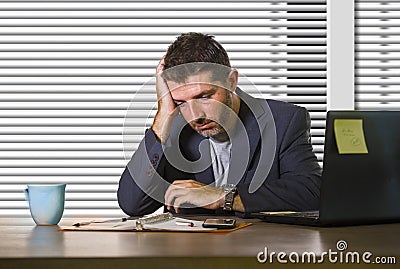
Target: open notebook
[[161, 222]]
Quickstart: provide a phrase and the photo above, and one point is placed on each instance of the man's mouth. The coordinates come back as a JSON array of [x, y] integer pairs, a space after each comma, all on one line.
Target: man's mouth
[[203, 124]]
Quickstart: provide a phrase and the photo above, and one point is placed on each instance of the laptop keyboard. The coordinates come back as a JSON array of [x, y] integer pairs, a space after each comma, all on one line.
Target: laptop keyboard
[[306, 214]]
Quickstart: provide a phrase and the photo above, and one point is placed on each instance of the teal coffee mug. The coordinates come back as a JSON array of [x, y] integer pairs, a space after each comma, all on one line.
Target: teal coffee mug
[[46, 203]]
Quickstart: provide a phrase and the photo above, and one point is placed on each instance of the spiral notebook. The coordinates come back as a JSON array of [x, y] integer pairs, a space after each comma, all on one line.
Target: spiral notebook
[[160, 222]]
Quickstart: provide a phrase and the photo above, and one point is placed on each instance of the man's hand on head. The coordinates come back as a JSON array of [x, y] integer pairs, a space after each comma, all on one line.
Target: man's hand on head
[[166, 106]]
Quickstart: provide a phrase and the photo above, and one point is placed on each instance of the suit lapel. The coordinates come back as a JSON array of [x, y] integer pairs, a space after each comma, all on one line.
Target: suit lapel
[[252, 115], [206, 176], [197, 150]]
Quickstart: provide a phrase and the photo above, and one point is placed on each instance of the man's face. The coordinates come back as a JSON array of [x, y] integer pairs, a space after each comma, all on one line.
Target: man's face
[[204, 105]]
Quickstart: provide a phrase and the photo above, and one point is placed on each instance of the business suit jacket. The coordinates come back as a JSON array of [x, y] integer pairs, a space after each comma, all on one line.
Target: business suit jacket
[[278, 170]]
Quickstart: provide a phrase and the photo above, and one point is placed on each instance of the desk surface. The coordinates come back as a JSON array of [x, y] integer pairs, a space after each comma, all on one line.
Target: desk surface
[[24, 244]]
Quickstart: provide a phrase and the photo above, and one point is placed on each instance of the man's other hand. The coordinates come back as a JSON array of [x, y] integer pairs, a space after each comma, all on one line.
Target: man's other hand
[[194, 193]]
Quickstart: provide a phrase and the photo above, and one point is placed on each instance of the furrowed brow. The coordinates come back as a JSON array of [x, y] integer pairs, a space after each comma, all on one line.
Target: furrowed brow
[[208, 92]]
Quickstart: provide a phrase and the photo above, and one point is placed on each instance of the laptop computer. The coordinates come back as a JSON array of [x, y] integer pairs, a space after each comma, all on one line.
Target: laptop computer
[[361, 172]]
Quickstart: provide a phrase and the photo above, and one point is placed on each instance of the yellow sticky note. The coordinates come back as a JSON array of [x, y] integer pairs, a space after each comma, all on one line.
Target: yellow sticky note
[[350, 136]]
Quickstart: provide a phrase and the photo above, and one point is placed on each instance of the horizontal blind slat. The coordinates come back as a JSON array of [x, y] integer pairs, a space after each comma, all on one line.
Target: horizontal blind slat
[[80, 130], [147, 57], [61, 163], [79, 72], [42, 154], [61, 172], [9, 182], [74, 188], [121, 89], [152, 50], [69, 213], [176, 15], [162, 6], [68, 204], [215, 22], [167, 1], [54, 80], [148, 31]]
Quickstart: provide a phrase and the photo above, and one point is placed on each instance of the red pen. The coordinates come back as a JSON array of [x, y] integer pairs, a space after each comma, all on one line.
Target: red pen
[[184, 223]]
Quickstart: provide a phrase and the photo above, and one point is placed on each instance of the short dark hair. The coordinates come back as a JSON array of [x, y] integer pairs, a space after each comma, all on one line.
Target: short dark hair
[[194, 48]]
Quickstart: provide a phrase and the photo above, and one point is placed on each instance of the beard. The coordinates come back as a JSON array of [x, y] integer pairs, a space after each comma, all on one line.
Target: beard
[[218, 129]]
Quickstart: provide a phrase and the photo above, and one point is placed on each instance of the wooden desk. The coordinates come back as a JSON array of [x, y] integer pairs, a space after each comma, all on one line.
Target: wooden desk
[[24, 245]]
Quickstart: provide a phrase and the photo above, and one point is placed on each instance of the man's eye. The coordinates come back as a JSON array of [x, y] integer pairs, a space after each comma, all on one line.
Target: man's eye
[[205, 98]]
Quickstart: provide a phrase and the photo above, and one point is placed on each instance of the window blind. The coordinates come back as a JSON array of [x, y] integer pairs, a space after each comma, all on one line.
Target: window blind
[[69, 69], [377, 62]]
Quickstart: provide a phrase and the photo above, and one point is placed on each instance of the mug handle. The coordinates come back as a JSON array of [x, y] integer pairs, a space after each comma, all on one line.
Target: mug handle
[[26, 192]]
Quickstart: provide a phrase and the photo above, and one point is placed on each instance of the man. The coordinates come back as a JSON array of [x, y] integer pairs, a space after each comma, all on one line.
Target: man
[[214, 149]]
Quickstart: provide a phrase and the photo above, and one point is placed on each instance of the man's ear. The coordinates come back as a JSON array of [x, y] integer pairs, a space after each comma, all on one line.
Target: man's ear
[[233, 79]]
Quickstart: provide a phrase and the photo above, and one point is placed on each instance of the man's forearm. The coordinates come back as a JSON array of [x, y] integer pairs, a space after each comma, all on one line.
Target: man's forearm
[[140, 178], [161, 126]]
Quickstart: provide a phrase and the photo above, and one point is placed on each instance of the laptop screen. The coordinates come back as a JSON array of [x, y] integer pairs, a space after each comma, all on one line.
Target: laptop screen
[[361, 170]]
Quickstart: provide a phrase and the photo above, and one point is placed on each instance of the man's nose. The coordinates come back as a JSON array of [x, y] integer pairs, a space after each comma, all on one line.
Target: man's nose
[[195, 110]]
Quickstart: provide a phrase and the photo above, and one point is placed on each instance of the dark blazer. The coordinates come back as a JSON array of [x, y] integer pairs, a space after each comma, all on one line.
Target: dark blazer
[[273, 165]]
